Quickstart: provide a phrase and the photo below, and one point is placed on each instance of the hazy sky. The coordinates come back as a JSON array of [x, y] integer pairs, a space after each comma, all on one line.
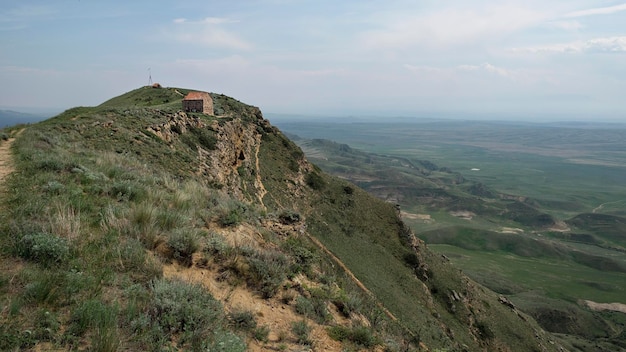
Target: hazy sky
[[387, 57]]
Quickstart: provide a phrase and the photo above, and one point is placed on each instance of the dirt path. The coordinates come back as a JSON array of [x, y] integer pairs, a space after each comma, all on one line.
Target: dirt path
[[599, 207], [6, 159]]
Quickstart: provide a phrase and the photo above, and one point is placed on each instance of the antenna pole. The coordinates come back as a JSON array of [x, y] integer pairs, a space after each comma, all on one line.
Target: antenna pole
[[149, 76]]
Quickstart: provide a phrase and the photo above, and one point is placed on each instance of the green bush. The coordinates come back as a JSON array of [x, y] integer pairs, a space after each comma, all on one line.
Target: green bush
[[131, 256], [98, 318], [360, 335], [303, 256], [231, 213], [225, 341], [348, 304], [301, 331], [267, 272], [183, 309], [242, 320], [169, 219], [304, 306], [127, 190], [261, 333], [230, 218], [43, 248], [206, 138], [485, 331], [288, 217], [315, 181], [45, 287], [183, 244]]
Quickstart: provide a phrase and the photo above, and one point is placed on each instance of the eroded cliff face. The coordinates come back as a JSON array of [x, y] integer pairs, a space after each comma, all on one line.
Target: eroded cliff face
[[231, 163]]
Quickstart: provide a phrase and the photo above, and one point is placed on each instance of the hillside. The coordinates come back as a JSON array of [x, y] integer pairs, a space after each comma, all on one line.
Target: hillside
[[134, 226], [554, 267]]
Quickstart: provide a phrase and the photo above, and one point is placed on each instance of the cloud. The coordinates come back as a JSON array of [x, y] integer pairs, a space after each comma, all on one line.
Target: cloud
[[566, 25], [450, 26], [207, 20], [489, 68], [596, 11], [21, 17], [209, 32], [597, 45], [449, 72]]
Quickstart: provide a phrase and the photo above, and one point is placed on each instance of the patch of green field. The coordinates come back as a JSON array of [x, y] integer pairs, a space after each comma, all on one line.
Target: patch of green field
[[553, 277]]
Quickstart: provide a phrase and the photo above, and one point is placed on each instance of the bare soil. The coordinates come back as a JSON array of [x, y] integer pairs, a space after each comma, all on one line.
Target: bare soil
[[6, 159], [615, 307], [273, 313], [6, 165]]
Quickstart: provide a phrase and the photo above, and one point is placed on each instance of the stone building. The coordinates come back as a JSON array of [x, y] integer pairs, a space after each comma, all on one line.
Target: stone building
[[198, 102]]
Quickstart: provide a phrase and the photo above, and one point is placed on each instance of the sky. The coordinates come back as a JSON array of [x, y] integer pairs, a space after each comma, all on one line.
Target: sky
[[528, 59]]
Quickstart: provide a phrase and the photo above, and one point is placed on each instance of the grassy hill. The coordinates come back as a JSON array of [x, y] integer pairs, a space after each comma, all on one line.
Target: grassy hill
[[134, 226]]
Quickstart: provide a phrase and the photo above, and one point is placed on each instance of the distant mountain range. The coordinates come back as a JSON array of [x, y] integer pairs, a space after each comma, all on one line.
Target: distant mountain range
[[10, 117]]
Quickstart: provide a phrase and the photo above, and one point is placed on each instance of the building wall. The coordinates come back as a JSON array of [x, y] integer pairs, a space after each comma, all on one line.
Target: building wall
[[193, 105], [205, 105], [208, 105]]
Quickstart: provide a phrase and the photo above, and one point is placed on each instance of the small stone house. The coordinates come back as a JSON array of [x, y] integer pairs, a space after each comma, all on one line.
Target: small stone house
[[198, 102]]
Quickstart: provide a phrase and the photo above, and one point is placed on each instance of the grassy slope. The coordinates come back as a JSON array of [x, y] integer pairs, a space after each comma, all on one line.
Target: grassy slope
[[367, 236], [97, 204]]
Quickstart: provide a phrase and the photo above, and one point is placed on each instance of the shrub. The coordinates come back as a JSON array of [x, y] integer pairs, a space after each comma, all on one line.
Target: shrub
[[261, 333], [267, 272], [225, 341], [169, 219], [142, 224], [242, 320], [49, 165], [411, 259], [43, 248], [358, 334], [231, 213], [304, 306], [206, 138], [301, 331], [230, 218], [185, 309], [183, 244], [99, 318], [485, 331], [46, 287], [315, 181], [132, 259], [348, 304], [127, 190], [54, 187], [288, 217], [303, 256]]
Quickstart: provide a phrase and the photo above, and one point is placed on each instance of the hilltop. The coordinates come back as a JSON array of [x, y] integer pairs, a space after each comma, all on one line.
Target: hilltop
[[135, 226]]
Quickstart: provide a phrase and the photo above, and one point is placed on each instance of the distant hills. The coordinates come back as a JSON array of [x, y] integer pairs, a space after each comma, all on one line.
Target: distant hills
[[11, 117]]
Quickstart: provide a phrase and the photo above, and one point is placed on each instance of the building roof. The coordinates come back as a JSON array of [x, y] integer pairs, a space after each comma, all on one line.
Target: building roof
[[196, 96]]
